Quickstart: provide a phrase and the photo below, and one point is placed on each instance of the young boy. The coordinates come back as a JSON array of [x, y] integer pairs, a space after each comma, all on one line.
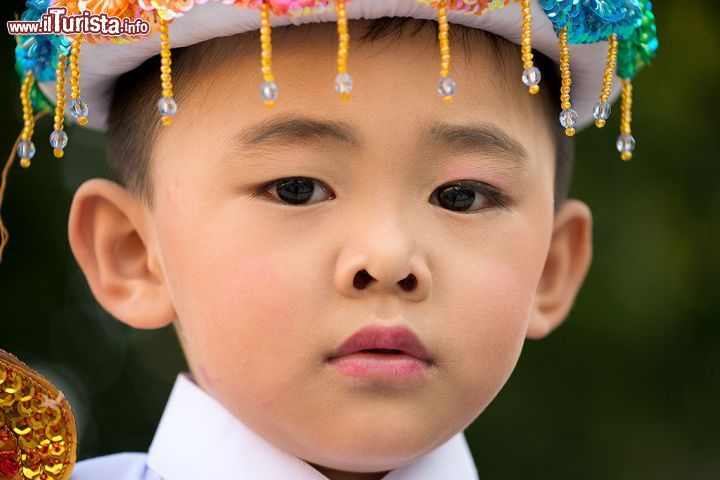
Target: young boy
[[351, 282]]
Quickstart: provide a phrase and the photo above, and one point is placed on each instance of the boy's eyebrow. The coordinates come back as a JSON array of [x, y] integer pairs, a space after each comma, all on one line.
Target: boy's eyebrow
[[481, 137], [292, 129]]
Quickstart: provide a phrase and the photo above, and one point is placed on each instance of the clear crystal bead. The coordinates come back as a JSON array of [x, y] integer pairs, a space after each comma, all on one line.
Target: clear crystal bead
[[78, 108], [58, 139], [343, 83], [568, 118], [26, 149], [531, 76], [625, 143], [167, 106], [446, 86], [269, 91], [601, 111]]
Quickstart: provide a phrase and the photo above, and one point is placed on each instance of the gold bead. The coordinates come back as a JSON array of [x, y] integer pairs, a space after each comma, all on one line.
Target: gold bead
[[626, 156], [82, 120], [167, 120], [448, 100], [58, 152], [269, 104], [570, 132], [534, 89], [600, 123], [24, 162]]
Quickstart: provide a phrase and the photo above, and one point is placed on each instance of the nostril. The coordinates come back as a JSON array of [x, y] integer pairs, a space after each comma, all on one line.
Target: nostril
[[408, 283], [362, 279]]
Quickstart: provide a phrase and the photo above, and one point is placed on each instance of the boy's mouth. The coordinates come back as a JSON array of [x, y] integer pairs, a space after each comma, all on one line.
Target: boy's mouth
[[381, 341]]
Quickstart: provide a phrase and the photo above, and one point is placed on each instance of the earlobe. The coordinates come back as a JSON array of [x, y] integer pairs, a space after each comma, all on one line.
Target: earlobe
[[110, 238], [567, 264]]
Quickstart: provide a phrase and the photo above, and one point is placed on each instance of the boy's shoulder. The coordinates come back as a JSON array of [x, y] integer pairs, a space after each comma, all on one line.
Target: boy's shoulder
[[119, 466]]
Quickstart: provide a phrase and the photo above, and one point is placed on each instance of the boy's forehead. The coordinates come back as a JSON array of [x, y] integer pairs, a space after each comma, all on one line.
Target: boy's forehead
[[393, 77]]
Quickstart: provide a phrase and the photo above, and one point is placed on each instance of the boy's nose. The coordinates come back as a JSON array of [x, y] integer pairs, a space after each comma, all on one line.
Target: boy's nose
[[363, 279], [360, 275]]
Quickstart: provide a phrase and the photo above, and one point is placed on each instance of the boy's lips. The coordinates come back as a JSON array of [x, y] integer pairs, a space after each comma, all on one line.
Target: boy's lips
[[385, 341]]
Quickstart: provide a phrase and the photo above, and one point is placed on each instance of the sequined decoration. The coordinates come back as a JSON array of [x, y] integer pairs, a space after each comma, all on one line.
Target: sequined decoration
[[58, 138], [78, 108], [568, 116], [601, 110], [166, 104], [343, 81], [446, 84], [531, 74], [26, 148], [37, 428], [638, 48], [268, 89], [626, 142]]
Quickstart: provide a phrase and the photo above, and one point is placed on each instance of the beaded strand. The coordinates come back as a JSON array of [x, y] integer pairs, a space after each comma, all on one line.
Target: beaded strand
[[568, 116], [626, 142], [343, 81], [58, 138], [26, 148], [78, 108], [166, 104], [446, 84], [531, 74], [601, 110], [268, 89]]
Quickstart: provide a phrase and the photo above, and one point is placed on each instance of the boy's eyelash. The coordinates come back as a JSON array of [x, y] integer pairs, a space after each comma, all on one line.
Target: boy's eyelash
[[496, 196], [265, 187]]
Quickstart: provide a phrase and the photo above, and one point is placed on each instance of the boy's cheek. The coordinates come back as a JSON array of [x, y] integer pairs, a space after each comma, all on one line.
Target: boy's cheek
[[486, 323]]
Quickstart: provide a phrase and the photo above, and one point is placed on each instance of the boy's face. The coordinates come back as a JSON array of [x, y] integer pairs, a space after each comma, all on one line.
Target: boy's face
[[264, 291]]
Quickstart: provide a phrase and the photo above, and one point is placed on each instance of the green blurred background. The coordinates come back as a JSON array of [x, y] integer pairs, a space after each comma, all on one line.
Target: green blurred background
[[628, 388]]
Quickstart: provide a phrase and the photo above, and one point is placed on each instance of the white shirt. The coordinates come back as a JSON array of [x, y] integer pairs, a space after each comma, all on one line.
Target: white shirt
[[225, 448]]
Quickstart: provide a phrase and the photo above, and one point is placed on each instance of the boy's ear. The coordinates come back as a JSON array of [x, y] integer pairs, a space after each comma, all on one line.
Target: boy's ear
[[567, 265], [112, 240]]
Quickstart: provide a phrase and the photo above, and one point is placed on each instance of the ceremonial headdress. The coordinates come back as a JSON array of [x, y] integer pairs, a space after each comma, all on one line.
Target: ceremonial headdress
[[599, 46]]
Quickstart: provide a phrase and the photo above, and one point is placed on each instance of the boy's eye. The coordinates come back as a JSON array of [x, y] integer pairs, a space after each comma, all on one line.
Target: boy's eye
[[298, 190], [465, 197]]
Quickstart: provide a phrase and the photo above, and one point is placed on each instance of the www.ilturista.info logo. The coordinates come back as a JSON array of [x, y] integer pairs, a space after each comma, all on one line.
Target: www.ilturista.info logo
[[56, 21]]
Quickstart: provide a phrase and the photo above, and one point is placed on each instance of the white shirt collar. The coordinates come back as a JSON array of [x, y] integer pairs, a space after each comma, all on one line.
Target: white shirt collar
[[199, 438]]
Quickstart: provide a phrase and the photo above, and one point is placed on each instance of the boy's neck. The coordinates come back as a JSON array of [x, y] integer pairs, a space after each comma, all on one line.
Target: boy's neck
[[340, 475]]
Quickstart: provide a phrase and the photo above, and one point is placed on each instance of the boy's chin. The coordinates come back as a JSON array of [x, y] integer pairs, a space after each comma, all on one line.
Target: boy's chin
[[374, 450]]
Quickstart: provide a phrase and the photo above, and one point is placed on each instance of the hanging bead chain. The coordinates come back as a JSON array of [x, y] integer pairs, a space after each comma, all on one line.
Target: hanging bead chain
[[268, 89], [446, 84], [568, 116], [78, 108], [626, 142], [166, 104], [58, 138], [343, 81], [531, 74], [601, 110], [26, 148]]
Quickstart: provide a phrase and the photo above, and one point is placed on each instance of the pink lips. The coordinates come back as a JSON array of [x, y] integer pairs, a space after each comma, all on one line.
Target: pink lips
[[382, 352]]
